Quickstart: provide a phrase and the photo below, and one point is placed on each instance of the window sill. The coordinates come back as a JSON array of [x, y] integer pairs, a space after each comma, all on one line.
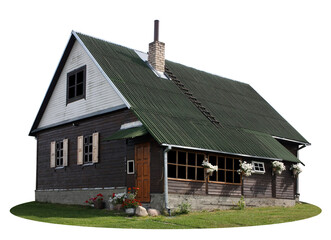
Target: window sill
[[58, 168], [87, 164]]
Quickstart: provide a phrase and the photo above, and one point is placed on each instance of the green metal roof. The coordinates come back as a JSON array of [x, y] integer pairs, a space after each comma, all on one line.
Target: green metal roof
[[128, 133], [172, 119]]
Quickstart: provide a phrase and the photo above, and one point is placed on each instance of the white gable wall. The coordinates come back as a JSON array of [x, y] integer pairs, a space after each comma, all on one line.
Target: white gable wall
[[99, 96]]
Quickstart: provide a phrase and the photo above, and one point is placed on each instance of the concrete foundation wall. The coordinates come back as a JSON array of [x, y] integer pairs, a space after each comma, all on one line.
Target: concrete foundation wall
[[208, 202], [75, 196], [198, 202]]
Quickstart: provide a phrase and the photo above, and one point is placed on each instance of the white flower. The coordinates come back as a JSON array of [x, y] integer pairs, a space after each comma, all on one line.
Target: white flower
[[278, 167], [296, 168], [210, 168], [245, 168]]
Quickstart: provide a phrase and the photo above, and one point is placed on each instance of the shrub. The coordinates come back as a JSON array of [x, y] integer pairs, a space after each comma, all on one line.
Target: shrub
[[183, 208]]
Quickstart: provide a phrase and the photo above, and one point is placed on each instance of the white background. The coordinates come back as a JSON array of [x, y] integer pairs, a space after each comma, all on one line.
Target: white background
[[281, 48]]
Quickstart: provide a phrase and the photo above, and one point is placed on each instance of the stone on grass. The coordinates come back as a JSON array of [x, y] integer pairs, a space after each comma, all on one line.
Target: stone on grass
[[153, 212], [141, 211]]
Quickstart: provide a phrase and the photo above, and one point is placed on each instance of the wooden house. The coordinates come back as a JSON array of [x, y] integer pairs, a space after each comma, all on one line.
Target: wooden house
[[114, 118]]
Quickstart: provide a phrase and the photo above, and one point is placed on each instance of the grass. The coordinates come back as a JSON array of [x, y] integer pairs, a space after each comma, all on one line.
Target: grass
[[86, 216]]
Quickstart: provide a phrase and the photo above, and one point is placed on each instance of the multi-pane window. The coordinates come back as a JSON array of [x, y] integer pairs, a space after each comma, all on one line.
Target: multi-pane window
[[227, 169], [76, 84], [88, 148], [258, 167], [187, 165], [59, 154]]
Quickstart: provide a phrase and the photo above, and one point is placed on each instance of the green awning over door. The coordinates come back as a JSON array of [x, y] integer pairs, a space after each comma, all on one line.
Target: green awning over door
[[128, 133]]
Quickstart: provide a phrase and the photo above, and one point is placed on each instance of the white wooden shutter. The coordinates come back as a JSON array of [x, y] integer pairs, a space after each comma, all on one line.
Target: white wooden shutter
[[52, 159], [80, 152], [65, 152], [95, 150]]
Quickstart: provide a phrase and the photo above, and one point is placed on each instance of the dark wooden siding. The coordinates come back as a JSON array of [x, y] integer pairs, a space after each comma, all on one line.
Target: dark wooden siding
[[259, 185], [109, 172], [291, 146], [285, 184], [224, 189], [186, 187]]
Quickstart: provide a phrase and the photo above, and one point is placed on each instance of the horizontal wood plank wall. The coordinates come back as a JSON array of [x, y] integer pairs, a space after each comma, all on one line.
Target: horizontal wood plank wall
[[186, 187], [224, 189], [259, 185], [285, 184], [109, 171], [156, 163]]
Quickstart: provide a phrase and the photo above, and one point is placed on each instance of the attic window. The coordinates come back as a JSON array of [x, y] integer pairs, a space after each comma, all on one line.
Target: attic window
[[76, 84]]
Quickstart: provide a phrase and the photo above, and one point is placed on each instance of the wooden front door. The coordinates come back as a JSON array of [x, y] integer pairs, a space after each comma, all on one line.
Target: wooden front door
[[142, 166]]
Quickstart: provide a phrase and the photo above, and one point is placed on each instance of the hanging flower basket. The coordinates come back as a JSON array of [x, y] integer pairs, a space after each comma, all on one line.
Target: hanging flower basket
[[245, 168], [296, 170], [278, 167], [209, 167]]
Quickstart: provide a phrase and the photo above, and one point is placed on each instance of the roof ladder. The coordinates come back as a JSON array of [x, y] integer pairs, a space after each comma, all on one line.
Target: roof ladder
[[193, 99]]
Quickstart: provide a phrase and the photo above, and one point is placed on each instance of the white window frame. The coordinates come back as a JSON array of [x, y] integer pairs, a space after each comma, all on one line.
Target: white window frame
[[258, 171], [127, 167]]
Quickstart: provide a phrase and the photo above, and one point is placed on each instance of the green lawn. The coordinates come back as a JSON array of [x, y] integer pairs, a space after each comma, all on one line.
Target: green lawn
[[86, 216]]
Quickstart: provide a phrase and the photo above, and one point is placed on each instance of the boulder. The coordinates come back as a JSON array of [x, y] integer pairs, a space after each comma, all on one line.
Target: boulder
[[153, 212], [141, 211]]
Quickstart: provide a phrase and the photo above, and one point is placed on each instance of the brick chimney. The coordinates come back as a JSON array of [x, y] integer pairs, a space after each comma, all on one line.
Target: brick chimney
[[156, 50]]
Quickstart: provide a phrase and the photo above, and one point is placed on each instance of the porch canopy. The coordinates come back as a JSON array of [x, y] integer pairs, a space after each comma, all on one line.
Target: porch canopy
[[128, 133]]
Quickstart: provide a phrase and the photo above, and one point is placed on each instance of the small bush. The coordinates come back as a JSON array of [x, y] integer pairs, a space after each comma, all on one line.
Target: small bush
[[183, 208], [241, 203]]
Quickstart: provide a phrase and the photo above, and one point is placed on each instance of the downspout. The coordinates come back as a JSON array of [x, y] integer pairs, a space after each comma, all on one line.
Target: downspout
[[165, 160]]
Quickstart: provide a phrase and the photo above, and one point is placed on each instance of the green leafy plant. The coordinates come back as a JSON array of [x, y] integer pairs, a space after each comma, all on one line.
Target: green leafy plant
[[183, 208], [241, 203]]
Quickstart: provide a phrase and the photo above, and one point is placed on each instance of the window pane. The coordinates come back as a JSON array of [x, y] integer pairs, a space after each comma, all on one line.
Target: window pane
[[229, 163], [80, 77], [221, 175], [171, 171], [182, 158], [191, 159], [172, 157], [86, 149], [213, 177], [191, 173], [131, 163], [72, 81], [182, 172], [229, 177], [200, 174], [236, 164], [79, 89], [236, 177], [200, 158], [71, 92], [221, 162], [212, 160]]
